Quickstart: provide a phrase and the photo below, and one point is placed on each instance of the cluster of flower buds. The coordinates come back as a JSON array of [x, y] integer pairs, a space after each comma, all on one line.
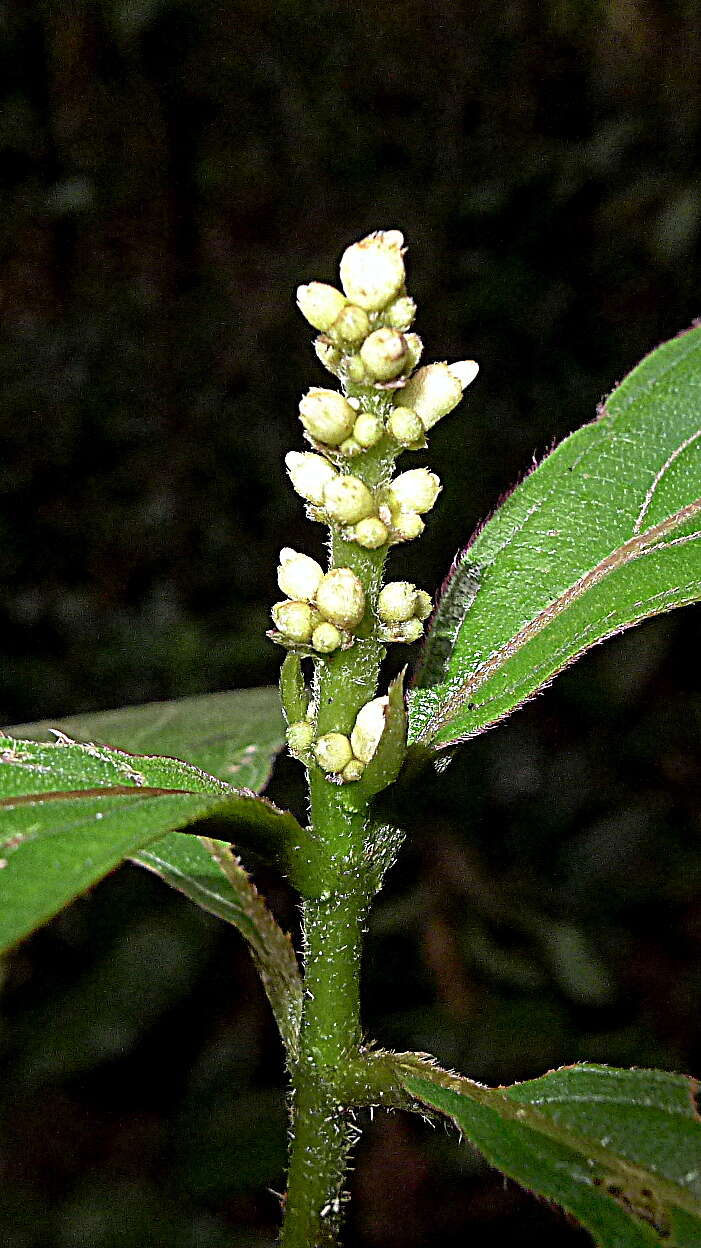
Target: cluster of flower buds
[[321, 610], [401, 610], [345, 758]]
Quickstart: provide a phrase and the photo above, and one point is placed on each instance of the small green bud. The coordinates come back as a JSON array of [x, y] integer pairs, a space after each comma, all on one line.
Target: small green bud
[[384, 354], [406, 525], [407, 428], [350, 448], [396, 602], [326, 638], [406, 631], [368, 430], [368, 728], [352, 771], [352, 326], [341, 598], [297, 620], [300, 738], [298, 576], [371, 533], [327, 354], [333, 752], [432, 392], [424, 605], [372, 270], [400, 314], [320, 304], [348, 500], [309, 474], [327, 416], [416, 490], [354, 370], [414, 346]]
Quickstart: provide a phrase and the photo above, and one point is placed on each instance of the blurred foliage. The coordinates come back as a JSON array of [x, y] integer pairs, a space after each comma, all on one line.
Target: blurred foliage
[[171, 169]]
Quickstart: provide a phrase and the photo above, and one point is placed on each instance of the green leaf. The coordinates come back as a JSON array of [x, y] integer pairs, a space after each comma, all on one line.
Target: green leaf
[[207, 872], [620, 1150], [69, 813], [604, 533], [234, 736]]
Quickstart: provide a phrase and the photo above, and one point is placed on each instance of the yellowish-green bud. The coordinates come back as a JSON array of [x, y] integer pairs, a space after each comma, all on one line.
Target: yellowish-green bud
[[368, 429], [309, 474], [298, 576], [348, 500], [352, 771], [396, 602], [326, 638], [371, 533], [384, 354], [320, 304], [406, 525], [372, 270], [424, 605], [432, 392], [350, 447], [333, 752], [352, 326], [300, 738], [327, 354], [327, 416], [414, 346], [406, 631], [401, 313], [407, 428], [415, 490], [297, 620], [368, 728], [355, 370], [341, 598]]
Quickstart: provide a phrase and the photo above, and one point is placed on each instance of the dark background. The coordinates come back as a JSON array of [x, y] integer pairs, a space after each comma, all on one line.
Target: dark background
[[169, 172]]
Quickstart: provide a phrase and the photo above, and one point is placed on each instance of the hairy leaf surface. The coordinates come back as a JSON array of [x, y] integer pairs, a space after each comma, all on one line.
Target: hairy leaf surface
[[604, 533], [620, 1150]]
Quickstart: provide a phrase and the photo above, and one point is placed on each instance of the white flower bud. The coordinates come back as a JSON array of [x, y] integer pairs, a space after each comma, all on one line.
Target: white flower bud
[[369, 726], [309, 474], [354, 370], [320, 304], [352, 771], [465, 371], [326, 415], [298, 576], [415, 347], [371, 533], [300, 738], [341, 598], [326, 638], [348, 499], [327, 354], [401, 313], [407, 428], [416, 490], [372, 270], [297, 620], [432, 392], [424, 605], [368, 430], [352, 326], [396, 602], [385, 354], [333, 752]]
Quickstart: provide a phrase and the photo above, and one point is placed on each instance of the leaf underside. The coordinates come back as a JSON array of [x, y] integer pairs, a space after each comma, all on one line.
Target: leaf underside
[[620, 1150], [604, 533]]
